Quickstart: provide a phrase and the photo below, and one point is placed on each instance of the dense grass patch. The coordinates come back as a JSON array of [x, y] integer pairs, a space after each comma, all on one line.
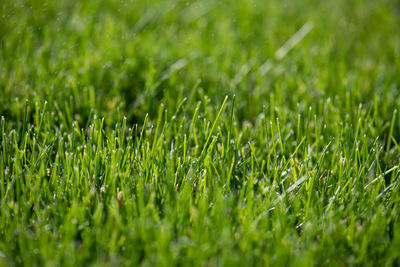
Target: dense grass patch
[[199, 133]]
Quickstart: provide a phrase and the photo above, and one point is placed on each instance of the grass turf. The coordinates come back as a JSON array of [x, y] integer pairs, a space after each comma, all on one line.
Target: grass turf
[[199, 133]]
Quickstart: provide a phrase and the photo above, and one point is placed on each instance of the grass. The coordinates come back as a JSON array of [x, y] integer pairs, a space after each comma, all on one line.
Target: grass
[[205, 133]]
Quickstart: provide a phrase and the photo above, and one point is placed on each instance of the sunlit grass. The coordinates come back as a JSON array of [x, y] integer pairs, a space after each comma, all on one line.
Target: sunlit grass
[[199, 133]]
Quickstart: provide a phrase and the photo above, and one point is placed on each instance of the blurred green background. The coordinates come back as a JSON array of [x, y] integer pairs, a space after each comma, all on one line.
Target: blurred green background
[[127, 57]]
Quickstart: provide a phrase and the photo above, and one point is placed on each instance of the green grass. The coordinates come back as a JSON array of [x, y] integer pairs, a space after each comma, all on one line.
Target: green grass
[[199, 133]]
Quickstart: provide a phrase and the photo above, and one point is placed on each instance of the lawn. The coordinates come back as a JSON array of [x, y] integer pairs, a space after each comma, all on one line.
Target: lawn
[[199, 133]]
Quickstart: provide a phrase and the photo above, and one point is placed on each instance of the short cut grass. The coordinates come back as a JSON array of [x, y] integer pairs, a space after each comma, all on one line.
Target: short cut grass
[[199, 133]]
